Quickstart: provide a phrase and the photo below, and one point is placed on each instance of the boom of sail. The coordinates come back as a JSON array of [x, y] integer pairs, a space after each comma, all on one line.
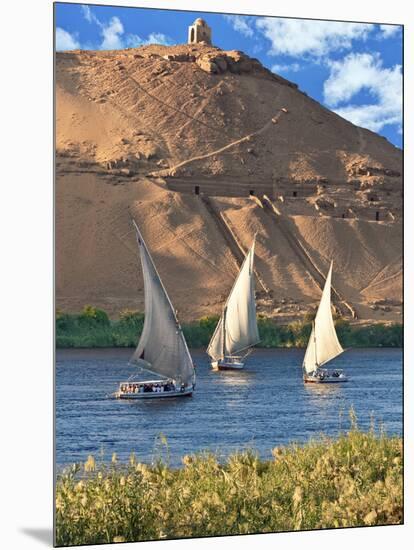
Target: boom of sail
[[162, 347], [237, 328], [323, 342]]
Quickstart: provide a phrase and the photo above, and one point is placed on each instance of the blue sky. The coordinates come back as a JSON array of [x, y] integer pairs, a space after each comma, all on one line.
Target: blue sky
[[354, 69]]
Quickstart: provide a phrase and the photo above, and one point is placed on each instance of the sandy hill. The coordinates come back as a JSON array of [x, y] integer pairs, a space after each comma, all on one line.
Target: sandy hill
[[203, 148]]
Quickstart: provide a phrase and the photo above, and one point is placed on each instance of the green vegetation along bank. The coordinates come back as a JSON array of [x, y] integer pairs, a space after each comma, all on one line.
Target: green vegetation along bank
[[355, 480], [92, 328]]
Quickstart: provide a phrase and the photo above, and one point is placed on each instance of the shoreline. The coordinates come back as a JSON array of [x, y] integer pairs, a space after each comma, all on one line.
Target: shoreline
[[92, 328], [129, 350]]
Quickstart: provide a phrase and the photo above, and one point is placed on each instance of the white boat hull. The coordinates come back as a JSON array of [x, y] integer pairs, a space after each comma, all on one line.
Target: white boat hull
[[154, 395], [222, 364], [327, 378], [147, 389]]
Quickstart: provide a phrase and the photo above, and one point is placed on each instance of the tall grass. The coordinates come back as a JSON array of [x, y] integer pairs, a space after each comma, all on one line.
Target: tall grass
[[93, 328], [354, 480]]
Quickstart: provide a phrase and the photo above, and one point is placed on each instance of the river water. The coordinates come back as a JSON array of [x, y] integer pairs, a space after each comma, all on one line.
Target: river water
[[264, 406]]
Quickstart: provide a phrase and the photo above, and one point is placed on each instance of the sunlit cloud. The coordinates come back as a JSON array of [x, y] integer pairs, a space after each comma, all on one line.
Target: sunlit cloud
[[240, 23], [65, 40], [289, 68], [114, 36], [364, 71], [387, 31], [297, 37]]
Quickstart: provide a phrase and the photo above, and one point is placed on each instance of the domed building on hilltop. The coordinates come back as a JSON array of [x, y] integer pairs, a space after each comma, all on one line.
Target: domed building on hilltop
[[198, 32]]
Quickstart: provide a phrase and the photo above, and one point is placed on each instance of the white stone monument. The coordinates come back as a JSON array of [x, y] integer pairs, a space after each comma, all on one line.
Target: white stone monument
[[198, 32]]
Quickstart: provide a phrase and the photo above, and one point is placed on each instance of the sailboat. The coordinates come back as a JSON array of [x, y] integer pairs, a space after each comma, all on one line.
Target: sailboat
[[236, 330], [323, 345], [162, 349]]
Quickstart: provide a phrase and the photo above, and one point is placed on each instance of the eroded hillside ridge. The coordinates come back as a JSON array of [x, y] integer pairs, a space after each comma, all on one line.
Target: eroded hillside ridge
[[190, 140]]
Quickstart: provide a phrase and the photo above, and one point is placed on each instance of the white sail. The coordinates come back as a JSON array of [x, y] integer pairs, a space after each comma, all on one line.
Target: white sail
[[323, 342], [237, 328], [162, 347]]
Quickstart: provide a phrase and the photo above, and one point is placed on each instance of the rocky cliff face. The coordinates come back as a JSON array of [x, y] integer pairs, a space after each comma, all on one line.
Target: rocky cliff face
[[140, 131]]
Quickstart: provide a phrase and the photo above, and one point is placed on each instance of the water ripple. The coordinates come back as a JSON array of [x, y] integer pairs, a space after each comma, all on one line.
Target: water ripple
[[264, 406]]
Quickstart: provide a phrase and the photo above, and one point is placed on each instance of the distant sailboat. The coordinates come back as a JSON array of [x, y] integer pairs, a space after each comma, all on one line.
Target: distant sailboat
[[323, 345], [237, 329], [162, 349]]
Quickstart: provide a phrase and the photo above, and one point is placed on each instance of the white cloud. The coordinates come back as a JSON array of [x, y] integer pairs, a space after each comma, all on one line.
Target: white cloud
[[363, 71], [291, 68], [158, 38], [87, 12], [114, 37], [112, 33], [65, 40], [133, 40], [373, 117], [296, 37], [240, 23], [358, 71], [389, 30]]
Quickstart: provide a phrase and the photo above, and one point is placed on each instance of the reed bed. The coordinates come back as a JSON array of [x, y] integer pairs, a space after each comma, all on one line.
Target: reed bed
[[354, 480]]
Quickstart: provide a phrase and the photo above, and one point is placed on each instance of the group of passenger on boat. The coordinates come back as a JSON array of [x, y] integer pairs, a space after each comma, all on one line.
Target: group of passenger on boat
[[324, 375], [146, 387]]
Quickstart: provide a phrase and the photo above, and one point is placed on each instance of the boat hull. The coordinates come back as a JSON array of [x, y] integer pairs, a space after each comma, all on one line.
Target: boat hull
[[154, 395], [227, 365], [325, 380]]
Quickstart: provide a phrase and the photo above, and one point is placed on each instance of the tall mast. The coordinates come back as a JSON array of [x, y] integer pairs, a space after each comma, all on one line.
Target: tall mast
[[224, 331], [314, 339]]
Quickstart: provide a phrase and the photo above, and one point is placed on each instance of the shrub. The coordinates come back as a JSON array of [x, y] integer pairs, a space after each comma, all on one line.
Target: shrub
[[93, 315], [209, 323], [129, 318]]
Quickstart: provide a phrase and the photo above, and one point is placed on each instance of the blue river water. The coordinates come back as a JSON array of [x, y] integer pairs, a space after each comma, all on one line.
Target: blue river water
[[264, 406]]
